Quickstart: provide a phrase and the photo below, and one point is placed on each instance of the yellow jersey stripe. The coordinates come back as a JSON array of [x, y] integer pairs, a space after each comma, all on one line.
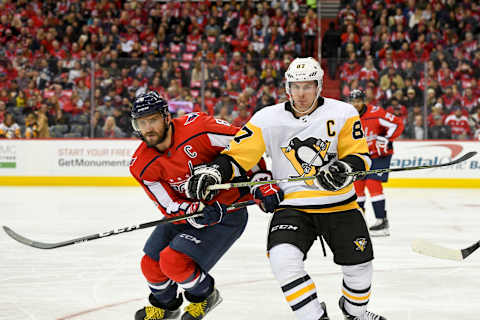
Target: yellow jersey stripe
[[349, 206], [297, 294], [364, 298], [317, 193]]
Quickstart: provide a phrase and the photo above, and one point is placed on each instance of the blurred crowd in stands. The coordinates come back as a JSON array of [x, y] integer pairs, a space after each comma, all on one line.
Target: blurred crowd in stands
[[71, 68], [419, 60]]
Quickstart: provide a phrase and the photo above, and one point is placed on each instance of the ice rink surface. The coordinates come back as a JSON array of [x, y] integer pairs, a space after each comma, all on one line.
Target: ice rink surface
[[101, 279]]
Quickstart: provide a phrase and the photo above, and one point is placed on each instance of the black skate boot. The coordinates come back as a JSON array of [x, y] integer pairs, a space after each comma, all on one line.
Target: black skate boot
[[380, 228], [159, 310], [325, 315], [199, 309], [366, 316]]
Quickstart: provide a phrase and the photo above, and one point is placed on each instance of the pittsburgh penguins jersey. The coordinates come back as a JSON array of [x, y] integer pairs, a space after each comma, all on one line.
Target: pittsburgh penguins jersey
[[300, 147], [196, 139]]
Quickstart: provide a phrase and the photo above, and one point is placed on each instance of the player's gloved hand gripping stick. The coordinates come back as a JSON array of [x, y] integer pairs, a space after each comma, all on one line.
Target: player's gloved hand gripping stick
[[267, 196]]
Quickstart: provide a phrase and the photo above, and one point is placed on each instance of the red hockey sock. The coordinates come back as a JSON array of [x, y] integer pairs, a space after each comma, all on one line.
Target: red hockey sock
[[151, 270], [374, 188], [176, 265]]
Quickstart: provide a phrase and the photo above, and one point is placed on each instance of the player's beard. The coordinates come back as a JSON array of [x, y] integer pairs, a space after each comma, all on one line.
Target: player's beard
[[154, 138]]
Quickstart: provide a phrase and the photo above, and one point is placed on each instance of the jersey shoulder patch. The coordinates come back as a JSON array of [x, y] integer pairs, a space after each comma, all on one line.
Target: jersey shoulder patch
[[191, 117]]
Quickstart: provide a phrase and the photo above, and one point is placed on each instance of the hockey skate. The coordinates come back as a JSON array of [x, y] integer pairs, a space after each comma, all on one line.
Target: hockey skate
[[325, 315], [366, 316], [158, 311], [380, 228], [198, 310]]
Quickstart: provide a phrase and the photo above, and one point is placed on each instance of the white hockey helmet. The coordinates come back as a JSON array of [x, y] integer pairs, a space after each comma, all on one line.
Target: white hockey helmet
[[304, 69]]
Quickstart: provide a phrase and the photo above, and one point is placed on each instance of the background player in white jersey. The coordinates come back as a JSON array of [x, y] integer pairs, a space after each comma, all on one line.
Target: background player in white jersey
[[306, 136]]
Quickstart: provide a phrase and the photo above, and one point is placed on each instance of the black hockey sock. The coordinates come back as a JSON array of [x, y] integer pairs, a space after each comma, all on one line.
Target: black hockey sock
[[379, 209], [164, 295], [201, 291], [171, 305]]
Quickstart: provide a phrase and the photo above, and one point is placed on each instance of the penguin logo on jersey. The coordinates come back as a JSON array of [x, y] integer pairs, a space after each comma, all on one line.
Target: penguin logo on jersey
[[307, 156], [360, 244]]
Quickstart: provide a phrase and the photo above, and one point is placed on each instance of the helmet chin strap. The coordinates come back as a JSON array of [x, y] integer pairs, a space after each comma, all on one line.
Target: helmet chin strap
[[309, 108]]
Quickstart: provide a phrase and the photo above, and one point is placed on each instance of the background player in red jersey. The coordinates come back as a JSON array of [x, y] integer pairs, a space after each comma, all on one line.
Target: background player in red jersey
[[381, 129], [181, 254]]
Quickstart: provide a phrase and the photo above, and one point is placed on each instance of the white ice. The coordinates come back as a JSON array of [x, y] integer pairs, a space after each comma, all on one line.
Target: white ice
[[101, 279]]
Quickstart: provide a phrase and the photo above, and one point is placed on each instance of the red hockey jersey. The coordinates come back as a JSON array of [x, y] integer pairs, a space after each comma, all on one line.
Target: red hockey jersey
[[377, 122], [197, 139]]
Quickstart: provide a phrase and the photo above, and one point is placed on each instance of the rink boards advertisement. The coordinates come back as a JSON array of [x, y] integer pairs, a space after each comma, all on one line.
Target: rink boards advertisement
[[66, 162], [106, 162]]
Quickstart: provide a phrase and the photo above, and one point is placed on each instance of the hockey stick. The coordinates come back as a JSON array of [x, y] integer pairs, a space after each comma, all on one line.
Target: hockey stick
[[428, 248], [45, 245], [355, 174]]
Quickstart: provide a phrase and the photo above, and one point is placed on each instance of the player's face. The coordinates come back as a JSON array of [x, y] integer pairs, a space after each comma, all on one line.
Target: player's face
[[303, 93], [153, 128], [357, 103]]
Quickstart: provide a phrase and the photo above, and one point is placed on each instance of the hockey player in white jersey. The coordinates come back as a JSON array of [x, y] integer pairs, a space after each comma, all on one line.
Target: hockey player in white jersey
[[308, 135]]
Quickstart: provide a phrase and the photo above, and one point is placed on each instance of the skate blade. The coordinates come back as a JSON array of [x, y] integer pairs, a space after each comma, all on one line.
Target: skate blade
[[216, 304], [382, 233]]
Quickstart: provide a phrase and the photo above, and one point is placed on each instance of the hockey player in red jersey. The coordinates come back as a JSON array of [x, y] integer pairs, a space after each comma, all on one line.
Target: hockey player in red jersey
[[381, 129], [181, 254]]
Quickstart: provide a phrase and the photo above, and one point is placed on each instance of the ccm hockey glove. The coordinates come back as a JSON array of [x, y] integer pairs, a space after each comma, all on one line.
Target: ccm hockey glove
[[333, 177], [202, 177], [267, 196], [212, 214]]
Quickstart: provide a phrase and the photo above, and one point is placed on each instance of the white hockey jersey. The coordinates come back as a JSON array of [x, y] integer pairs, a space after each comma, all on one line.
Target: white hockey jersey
[[299, 147]]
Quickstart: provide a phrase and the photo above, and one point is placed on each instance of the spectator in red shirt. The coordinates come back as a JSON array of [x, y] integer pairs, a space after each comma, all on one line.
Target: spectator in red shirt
[[437, 111], [368, 72], [464, 74], [458, 122], [469, 100], [240, 43], [350, 70], [309, 28]]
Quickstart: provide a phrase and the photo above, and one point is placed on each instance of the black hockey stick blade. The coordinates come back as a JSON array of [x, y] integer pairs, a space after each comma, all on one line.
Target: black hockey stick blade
[[359, 174], [469, 250], [431, 249], [46, 245]]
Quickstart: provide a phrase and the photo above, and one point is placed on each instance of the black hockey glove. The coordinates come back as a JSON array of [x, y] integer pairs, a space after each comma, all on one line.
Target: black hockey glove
[[202, 177], [333, 177], [267, 196], [212, 215]]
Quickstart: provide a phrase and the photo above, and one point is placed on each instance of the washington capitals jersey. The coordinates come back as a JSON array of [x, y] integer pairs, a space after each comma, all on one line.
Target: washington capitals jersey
[[196, 139], [300, 147], [377, 122]]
